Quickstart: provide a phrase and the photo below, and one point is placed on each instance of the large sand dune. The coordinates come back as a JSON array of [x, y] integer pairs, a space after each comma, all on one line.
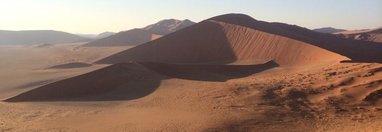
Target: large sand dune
[[226, 43], [238, 38], [329, 42]]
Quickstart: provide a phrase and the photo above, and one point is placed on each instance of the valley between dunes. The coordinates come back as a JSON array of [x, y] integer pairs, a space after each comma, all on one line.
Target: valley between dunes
[[247, 75]]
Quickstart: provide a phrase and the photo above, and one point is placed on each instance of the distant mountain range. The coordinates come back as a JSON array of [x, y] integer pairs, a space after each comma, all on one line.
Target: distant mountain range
[[38, 37], [143, 35]]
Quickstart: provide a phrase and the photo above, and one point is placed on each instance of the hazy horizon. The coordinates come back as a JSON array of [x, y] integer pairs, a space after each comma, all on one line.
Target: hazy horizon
[[97, 16]]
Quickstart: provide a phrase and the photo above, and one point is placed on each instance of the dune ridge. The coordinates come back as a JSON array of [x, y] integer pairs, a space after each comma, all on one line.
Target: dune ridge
[[226, 43], [139, 36], [330, 42]]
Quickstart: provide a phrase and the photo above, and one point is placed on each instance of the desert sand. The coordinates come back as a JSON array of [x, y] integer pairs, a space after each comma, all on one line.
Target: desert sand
[[139, 36], [247, 75], [373, 35], [25, 67], [30, 37]]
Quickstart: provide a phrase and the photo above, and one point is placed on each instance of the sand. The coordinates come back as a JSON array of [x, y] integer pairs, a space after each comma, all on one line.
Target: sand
[[25, 67], [142, 35], [130, 37], [242, 77], [373, 35], [248, 39], [273, 100]]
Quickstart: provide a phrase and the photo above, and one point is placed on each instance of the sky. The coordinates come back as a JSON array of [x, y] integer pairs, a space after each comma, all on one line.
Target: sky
[[96, 16]]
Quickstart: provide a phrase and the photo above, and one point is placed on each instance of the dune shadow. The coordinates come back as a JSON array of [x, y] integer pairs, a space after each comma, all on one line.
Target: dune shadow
[[35, 83], [208, 72], [70, 65], [128, 81], [125, 81]]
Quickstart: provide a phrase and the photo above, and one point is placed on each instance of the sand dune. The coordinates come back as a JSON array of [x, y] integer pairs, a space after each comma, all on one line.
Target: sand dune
[[168, 26], [329, 42], [134, 81], [38, 37], [131, 37], [208, 72], [131, 80], [140, 36], [21, 66], [70, 65], [373, 35], [227, 43]]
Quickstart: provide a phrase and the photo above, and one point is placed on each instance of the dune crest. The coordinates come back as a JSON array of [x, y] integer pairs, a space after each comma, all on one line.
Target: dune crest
[[226, 43], [139, 36]]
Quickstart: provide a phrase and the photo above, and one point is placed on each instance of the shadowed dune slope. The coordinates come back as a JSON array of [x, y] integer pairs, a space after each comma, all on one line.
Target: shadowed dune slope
[[208, 72], [218, 42], [143, 35], [126, 81], [203, 42], [70, 65], [130, 80], [131, 37]]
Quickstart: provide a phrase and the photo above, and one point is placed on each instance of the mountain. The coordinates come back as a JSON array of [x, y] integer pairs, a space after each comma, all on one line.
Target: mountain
[[373, 35], [39, 37], [329, 30], [237, 38], [140, 36]]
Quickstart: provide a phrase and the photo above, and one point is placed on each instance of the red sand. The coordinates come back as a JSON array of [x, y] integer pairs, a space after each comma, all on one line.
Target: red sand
[[239, 38]]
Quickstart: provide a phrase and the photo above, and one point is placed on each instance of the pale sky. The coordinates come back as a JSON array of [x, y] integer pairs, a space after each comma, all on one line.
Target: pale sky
[[96, 16]]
